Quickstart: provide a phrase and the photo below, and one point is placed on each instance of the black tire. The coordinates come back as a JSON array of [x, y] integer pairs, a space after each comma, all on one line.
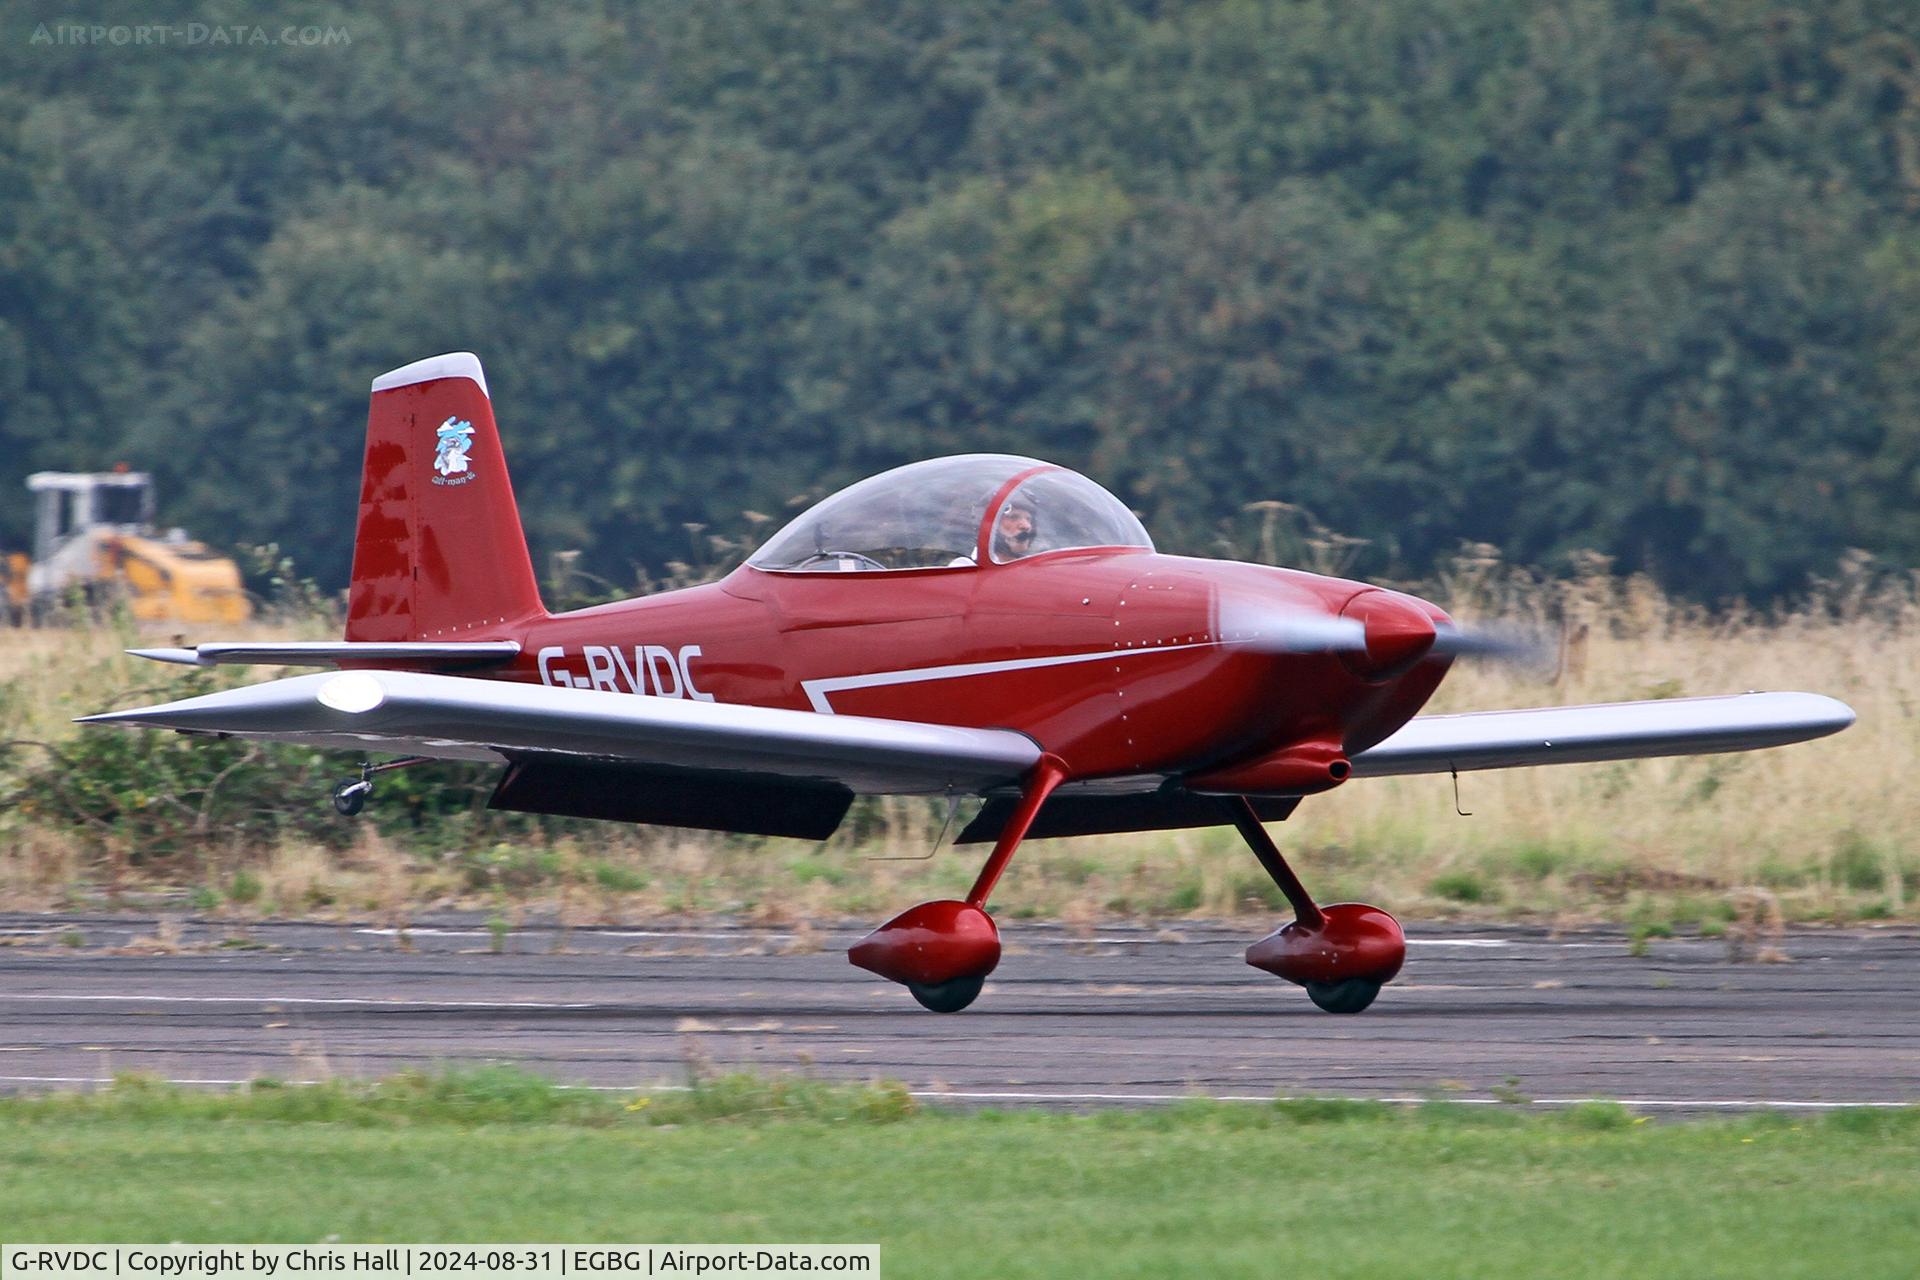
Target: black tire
[[1350, 995], [349, 798], [948, 997]]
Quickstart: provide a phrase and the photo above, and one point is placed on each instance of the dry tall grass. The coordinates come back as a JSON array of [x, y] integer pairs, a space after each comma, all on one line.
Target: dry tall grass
[[1829, 823], [1827, 827]]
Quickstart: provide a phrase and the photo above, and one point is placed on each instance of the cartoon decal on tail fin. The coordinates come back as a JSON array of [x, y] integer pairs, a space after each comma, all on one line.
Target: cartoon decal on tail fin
[[450, 457], [439, 553]]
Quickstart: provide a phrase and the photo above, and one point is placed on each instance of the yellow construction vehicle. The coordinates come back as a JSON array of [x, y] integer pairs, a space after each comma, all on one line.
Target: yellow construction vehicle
[[94, 543]]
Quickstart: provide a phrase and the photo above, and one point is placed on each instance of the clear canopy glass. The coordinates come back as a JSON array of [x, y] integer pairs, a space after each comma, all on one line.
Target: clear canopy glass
[[1057, 510], [929, 515]]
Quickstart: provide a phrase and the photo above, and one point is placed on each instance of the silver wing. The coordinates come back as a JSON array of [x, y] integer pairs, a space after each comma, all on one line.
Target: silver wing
[[735, 768], [454, 718], [1605, 731]]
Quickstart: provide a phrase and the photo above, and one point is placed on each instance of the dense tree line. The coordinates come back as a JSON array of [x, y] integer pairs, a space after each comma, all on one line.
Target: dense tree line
[[1638, 276]]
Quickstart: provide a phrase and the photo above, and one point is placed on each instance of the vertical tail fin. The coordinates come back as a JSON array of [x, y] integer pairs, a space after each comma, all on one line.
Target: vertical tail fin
[[439, 553]]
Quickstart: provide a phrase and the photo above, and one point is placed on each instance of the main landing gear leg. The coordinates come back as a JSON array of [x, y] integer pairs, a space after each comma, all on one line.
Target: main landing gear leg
[[1342, 954], [943, 951]]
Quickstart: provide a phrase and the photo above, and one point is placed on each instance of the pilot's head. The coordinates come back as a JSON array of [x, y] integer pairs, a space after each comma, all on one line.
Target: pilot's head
[[1013, 531]]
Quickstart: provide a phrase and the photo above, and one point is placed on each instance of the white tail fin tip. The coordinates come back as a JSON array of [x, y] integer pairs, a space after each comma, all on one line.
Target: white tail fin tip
[[455, 364]]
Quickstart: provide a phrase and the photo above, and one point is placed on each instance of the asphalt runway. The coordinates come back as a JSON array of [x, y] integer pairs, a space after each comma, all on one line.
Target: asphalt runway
[[1130, 1014]]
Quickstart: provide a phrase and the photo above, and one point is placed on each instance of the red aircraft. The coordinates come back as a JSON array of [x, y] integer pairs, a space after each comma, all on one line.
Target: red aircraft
[[983, 625]]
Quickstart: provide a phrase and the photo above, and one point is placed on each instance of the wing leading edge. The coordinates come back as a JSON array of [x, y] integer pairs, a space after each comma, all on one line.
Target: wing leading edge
[[1604, 731], [456, 718]]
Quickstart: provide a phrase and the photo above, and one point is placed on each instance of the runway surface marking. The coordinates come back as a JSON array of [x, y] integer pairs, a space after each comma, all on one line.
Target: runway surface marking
[[395, 1002]]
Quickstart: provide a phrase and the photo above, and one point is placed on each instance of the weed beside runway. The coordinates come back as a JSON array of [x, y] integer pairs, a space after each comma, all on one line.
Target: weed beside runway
[[1190, 1189]]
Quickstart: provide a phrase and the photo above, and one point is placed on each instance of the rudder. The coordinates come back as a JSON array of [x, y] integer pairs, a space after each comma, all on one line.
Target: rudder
[[439, 552]]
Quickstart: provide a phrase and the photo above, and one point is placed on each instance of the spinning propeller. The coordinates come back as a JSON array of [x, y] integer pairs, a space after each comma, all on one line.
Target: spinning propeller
[[1377, 634]]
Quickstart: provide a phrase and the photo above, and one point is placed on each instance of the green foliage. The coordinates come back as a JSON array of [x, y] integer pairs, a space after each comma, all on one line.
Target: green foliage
[[1463, 886], [161, 800], [1538, 861], [1860, 864], [167, 797], [1646, 273], [616, 877], [1641, 934], [1184, 896]]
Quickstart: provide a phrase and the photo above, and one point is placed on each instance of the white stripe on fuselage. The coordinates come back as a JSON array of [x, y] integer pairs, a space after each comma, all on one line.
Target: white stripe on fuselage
[[817, 690]]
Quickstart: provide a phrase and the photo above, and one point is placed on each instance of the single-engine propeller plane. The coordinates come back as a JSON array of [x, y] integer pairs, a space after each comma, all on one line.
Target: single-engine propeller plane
[[984, 626]]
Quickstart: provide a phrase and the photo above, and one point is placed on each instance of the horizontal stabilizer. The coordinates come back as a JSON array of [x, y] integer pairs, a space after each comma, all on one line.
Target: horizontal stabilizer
[[1604, 731], [456, 718], [334, 653]]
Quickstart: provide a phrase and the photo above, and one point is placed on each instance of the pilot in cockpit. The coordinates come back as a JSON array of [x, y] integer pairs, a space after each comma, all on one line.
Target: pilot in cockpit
[[1012, 534]]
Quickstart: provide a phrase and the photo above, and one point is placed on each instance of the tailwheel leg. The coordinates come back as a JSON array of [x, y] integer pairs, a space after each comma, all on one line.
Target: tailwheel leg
[[943, 951], [350, 795], [1342, 954]]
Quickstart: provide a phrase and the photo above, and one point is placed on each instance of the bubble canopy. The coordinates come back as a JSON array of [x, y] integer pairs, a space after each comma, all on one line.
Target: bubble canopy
[[936, 515]]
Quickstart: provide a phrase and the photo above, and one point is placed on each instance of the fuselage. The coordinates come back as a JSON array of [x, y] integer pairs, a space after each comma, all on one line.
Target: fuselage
[[1120, 662]]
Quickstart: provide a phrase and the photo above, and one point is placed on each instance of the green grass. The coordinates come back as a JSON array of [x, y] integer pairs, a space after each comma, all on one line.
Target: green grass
[[1195, 1189]]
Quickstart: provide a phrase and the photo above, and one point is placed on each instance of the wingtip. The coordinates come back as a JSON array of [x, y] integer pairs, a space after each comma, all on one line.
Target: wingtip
[[181, 657], [113, 717], [1843, 715], [1817, 714]]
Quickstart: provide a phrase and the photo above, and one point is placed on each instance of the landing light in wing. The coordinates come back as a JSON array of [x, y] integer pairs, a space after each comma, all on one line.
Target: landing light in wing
[[353, 693]]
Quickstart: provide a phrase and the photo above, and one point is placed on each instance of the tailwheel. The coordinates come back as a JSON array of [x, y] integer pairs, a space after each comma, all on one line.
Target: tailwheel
[[350, 796], [947, 997], [1350, 995]]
